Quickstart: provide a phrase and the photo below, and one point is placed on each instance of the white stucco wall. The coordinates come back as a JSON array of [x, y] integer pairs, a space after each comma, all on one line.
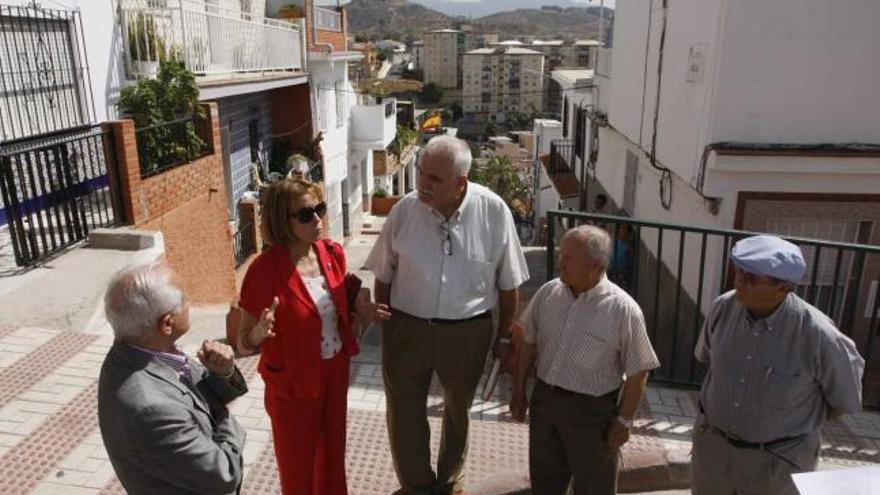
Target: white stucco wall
[[800, 71], [326, 78], [684, 105], [790, 71]]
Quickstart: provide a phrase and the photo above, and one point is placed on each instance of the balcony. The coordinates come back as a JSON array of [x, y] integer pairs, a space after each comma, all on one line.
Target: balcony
[[385, 162], [211, 40], [559, 166], [327, 19], [374, 126]]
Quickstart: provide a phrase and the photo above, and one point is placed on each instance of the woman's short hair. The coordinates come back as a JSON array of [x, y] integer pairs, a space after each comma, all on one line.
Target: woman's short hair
[[278, 203]]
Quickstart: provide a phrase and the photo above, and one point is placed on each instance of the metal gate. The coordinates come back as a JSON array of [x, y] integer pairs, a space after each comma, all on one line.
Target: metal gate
[[53, 158], [44, 78], [56, 189]]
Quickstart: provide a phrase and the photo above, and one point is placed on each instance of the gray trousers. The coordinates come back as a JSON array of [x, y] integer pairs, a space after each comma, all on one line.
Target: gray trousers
[[719, 468], [412, 351], [567, 441]]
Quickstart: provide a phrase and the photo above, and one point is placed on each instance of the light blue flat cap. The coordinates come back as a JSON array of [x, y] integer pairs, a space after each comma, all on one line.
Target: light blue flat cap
[[770, 256]]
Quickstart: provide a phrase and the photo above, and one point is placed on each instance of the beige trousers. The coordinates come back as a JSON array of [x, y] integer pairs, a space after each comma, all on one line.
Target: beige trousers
[[719, 468], [412, 351]]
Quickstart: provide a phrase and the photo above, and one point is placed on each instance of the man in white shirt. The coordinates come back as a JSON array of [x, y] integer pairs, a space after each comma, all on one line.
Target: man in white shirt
[[588, 336], [447, 255]]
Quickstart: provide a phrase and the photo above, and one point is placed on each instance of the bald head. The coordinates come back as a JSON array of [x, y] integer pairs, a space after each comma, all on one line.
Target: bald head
[[138, 296], [451, 150]]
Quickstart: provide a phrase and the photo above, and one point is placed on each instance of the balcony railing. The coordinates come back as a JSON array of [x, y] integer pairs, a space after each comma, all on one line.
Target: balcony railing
[[674, 272], [162, 147], [375, 126], [328, 20], [211, 40]]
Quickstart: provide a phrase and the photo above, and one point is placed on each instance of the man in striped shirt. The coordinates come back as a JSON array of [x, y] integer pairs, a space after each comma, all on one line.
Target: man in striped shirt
[[588, 337]]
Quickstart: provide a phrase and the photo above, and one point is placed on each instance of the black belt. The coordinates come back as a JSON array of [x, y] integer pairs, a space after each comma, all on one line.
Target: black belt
[[444, 321], [564, 391], [743, 444]]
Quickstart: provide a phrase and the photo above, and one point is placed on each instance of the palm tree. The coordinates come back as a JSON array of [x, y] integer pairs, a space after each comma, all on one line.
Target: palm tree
[[499, 175]]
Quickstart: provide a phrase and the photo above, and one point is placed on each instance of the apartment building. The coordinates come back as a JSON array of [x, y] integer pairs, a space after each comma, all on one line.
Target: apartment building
[[418, 54], [579, 54], [444, 51], [441, 57], [502, 79]]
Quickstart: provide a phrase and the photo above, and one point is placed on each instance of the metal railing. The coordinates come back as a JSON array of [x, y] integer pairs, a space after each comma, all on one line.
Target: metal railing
[[164, 146], [328, 20], [244, 242], [676, 271], [210, 39], [56, 189]]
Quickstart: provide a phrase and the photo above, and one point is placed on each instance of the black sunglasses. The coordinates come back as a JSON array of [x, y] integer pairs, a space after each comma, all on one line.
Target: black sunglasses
[[307, 214]]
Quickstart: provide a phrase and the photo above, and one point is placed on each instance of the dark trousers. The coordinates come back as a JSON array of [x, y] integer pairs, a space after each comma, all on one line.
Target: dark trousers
[[412, 350], [567, 441]]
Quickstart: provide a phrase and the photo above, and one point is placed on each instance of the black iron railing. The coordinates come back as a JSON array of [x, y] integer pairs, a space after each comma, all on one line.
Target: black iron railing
[[167, 145], [56, 189], [676, 271], [244, 242]]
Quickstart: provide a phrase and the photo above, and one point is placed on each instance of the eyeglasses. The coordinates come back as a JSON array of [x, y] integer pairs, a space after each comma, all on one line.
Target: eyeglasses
[[307, 214], [447, 240]]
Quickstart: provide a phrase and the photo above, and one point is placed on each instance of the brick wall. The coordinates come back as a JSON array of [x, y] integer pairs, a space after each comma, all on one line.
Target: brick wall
[[339, 39], [188, 205]]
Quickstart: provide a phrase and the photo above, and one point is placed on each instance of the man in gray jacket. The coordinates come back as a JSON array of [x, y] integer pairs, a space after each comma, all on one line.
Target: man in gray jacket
[[163, 416]]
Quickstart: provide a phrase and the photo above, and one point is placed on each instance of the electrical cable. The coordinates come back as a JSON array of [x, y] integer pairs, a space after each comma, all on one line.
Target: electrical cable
[[665, 174]]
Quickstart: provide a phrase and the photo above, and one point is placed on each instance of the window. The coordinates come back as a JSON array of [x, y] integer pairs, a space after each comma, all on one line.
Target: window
[[564, 116], [580, 130], [630, 182], [254, 138], [341, 103]]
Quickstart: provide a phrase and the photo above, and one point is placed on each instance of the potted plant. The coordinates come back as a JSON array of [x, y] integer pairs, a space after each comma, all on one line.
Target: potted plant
[[291, 11], [145, 45], [382, 202]]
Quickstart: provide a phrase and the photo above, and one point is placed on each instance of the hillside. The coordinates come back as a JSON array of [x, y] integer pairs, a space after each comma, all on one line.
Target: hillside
[[547, 22], [395, 19], [405, 21]]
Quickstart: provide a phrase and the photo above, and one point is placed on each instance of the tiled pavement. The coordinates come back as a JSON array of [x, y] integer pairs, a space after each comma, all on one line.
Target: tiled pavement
[[50, 443]]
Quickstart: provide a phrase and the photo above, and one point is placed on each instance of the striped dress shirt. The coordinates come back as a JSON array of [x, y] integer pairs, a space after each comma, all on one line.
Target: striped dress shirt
[[590, 343]]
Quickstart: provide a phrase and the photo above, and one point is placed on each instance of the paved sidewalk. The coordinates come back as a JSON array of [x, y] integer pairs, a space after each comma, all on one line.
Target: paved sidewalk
[[50, 442]]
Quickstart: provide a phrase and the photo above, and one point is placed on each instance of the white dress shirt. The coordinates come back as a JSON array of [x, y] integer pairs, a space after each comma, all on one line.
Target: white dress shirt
[[449, 269], [587, 344]]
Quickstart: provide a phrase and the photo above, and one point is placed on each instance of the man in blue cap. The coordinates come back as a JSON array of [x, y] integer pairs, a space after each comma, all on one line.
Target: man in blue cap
[[778, 368]]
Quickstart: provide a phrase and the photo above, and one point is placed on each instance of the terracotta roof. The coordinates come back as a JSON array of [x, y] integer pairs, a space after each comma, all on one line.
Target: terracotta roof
[[565, 182]]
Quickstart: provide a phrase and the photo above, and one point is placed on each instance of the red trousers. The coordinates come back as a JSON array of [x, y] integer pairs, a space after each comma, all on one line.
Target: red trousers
[[309, 434]]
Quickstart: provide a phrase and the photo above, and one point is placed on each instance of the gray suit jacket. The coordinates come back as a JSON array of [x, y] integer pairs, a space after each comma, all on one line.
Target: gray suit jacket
[[164, 437]]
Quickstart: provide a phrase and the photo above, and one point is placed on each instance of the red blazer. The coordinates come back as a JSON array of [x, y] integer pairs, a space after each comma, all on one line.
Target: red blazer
[[290, 363]]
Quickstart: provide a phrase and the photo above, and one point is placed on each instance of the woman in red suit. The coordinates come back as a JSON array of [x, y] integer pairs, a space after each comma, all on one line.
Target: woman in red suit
[[307, 340]]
